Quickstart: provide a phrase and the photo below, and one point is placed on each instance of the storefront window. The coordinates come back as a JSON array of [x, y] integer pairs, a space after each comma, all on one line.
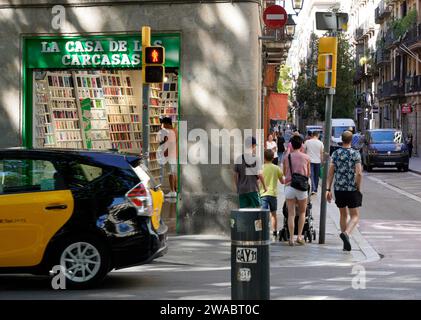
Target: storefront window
[[87, 94]]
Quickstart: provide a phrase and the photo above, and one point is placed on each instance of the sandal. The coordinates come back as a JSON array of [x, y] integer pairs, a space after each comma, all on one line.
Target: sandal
[[300, 242], [291, 243]]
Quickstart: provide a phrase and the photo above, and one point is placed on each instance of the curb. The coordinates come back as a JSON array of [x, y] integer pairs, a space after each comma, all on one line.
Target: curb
[[369, 252], [415, 171]]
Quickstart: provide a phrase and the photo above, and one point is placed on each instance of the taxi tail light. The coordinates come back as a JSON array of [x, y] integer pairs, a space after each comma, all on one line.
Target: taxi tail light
[[141, 199]]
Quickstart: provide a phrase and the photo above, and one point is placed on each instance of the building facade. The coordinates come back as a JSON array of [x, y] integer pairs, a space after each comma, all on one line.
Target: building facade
[[56, 61], [387, 41], [364, 32]]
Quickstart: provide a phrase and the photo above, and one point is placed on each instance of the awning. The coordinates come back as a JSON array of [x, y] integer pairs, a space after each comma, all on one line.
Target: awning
[[278, 106]]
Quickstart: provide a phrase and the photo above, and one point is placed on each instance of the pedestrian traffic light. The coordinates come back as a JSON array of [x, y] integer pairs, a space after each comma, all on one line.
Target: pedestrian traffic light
[[153, 60], [154, 55], [327, 61]]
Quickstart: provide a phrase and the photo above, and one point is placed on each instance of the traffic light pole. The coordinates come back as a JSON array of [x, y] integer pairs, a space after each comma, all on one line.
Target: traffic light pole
[[326, 160], [145, 124]]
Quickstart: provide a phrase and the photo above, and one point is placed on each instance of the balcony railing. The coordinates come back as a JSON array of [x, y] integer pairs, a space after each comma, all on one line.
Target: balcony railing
[[413, 84], [368, 27], [359, 74], [382, 56], [359, 32], [391, 88], [382, 12], [413, 35], [389, 38]]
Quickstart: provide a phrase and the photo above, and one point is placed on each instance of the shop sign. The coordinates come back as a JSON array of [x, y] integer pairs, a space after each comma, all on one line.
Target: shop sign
[[96, 52], [406, 108]]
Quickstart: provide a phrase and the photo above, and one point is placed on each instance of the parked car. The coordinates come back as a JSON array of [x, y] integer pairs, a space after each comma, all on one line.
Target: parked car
[[88, 212], [384, 148]]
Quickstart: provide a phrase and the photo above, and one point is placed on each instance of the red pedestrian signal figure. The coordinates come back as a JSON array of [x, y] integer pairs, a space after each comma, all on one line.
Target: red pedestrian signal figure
[[154, 55]]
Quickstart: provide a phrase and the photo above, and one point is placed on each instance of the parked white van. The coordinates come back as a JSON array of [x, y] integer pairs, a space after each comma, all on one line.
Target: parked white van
[[338, 127]]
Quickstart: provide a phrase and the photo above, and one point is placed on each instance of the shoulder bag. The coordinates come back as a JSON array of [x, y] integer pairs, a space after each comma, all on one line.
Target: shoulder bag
[[298, 181]]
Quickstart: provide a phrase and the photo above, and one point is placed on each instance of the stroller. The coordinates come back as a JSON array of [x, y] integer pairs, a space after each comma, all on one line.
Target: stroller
[[309, 232]]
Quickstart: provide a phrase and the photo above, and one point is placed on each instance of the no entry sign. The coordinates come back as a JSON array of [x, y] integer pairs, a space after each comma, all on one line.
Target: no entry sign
[[275, 17]]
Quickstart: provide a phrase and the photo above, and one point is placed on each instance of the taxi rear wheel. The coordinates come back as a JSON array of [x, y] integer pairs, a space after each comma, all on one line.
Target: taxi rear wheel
[[84, 260]]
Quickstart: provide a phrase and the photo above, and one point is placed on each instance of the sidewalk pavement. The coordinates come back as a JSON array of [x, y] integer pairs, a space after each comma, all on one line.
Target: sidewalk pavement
[[415, 164], [212, 252]]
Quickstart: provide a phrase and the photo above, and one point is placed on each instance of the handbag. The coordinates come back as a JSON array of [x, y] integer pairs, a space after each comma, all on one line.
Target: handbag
[[298, 181]]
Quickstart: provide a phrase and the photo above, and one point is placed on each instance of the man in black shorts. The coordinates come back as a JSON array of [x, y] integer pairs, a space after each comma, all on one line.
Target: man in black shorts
[[345, 167]]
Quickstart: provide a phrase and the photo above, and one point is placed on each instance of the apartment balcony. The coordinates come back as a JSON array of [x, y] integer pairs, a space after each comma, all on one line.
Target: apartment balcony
[[382, 57], [413, 35], [382, 12], [413, 84], [275, 46], [359, 74], [391, 89], [359, 33], [389, 39], [368, 28]]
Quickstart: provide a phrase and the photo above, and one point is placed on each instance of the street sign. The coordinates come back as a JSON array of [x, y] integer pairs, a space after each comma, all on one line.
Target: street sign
[[406, 108], [275, 17], [332, 21]]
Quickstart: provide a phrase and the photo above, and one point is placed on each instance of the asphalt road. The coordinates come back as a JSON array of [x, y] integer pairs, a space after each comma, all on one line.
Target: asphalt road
[[390, 222]]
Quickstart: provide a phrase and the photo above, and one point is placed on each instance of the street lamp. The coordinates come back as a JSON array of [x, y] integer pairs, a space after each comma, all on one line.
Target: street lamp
[[290, 26], [297, 6]]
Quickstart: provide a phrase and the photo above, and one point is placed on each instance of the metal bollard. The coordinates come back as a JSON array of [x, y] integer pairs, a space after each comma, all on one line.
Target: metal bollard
[[250, 268]]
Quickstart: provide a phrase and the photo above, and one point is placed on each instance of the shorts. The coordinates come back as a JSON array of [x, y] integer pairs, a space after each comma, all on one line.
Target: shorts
[[173, 169], [269, 202], [350, 199], [250, 200], [292, 193]]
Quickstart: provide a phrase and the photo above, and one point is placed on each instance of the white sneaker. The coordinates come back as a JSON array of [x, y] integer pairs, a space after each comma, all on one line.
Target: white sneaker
[[173, 194]]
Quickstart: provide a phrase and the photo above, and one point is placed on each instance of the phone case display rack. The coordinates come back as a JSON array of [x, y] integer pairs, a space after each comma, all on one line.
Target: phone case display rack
[[114, 114]]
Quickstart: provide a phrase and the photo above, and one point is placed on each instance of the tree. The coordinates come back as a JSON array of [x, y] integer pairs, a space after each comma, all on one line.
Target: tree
[[285, 80], [312, 98], [344, 100]]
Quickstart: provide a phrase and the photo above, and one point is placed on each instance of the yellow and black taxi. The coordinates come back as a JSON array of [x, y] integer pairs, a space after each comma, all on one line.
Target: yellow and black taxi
[[87, 212]]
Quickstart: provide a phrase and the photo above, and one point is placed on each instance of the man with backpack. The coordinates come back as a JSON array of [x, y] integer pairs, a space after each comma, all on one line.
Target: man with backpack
[[247, 174]]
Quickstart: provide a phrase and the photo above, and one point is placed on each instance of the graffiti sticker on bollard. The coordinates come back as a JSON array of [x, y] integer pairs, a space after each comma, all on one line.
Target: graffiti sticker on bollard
[[244, 274], [247, 255]]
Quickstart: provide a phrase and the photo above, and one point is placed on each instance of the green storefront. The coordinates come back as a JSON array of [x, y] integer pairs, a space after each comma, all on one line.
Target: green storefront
[[85, 92]]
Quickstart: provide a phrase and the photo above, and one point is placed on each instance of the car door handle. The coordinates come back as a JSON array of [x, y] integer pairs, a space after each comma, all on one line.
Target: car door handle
[[56, 207]]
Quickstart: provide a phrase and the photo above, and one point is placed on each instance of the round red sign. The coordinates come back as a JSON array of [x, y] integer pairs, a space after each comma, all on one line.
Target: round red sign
[[275, 17]]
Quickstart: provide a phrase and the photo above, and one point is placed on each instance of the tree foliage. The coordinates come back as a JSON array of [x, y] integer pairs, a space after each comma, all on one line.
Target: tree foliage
[[312, 98], [285, 80]]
